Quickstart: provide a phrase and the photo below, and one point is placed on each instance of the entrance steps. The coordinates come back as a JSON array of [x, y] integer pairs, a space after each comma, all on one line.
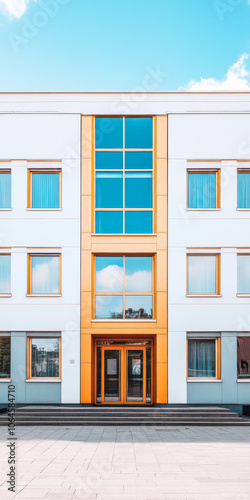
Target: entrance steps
[[129, 415]]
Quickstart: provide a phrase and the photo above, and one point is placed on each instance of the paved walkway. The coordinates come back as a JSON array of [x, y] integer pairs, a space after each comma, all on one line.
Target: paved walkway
[[123, 463]]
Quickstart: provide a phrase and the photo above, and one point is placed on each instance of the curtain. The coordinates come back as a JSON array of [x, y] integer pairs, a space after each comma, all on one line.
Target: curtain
[[201, 358], [5, 286], [45, 190], [243, 190], [45, 274], [202, 190], [5, 190], [202, 274]]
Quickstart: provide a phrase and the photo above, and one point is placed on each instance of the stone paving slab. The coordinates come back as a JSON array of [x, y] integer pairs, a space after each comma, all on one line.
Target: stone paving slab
[[111, 463]]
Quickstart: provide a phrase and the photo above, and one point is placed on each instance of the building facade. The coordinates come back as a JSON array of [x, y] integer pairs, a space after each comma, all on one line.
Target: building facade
[[124, 248]]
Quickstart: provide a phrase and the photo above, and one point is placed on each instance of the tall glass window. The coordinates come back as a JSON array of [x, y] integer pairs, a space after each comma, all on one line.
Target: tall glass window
[[243, 274], [203, 274], [201, 358], [243, 357], [123, 287], [45, 273], [5, 273], [45, 190], [45, 357], [243, 189], [202, 190], [5, 189], [124, 175], [4, 357]]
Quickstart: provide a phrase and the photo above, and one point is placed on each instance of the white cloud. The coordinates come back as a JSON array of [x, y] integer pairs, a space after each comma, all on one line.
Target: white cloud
[[14, 8], [110, 279], [236, 79]]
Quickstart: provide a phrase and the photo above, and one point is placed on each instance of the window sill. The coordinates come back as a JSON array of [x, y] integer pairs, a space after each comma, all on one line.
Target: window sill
[[203, 295], [43, 294], [244, 381], [5, 295], [7, 380], [243, 295], [5, 209], [123, 320], [39, 380], [201, 380], [203, 209], [124, 234], [243, 209], [44, 209]]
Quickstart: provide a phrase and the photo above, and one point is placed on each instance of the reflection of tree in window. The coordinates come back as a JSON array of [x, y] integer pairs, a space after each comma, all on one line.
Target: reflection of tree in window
[[4, 357], [243, 357], [45, 358]]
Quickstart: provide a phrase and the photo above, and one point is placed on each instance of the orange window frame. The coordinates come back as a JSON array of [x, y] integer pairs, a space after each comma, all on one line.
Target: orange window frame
[[29, 272], [29, 362], [217, 359], [218, 185], [123, 293], [32, 171], [217, 270]]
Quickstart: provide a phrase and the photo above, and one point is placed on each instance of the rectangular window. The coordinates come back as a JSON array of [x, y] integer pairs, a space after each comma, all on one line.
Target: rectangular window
[[123, 287], [202, 358], [243, 189], [44, 189], [44, 357], [243, 357], [124, 175], [5, 189], [4, 357], [203, 190], [44, 274], [243, 274], [203, 274], [5, 274]]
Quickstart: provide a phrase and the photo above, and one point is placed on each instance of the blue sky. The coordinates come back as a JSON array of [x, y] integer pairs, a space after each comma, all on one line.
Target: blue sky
[[124, 45]]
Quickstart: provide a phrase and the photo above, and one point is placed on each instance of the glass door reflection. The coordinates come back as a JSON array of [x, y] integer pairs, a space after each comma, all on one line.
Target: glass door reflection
[[112, 375], [135, 375]]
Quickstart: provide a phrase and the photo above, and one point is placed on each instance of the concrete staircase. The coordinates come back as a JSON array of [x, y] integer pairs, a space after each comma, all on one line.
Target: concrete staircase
[[125, 415]]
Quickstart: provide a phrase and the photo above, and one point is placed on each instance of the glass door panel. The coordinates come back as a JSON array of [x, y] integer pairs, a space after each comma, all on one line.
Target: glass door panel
[[135, 375], [112, 375]]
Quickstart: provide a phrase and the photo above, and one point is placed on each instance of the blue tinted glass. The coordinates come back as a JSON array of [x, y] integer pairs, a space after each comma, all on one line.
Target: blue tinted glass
[[5, 274], [108, 160], [138, 274], [109, 307], [142, 159], [138, 190], [138, 133], [45, 190], [109, 274], [109, 222], [108, 133], [109, 190], [5, 190], [138, 307], [138, 222], [243, 190], [202, 190]]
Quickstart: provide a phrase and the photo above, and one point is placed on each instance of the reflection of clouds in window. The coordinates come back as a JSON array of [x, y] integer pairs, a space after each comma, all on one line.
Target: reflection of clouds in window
[[109, 306], [45, 274], [110, 279], [139, 281]]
